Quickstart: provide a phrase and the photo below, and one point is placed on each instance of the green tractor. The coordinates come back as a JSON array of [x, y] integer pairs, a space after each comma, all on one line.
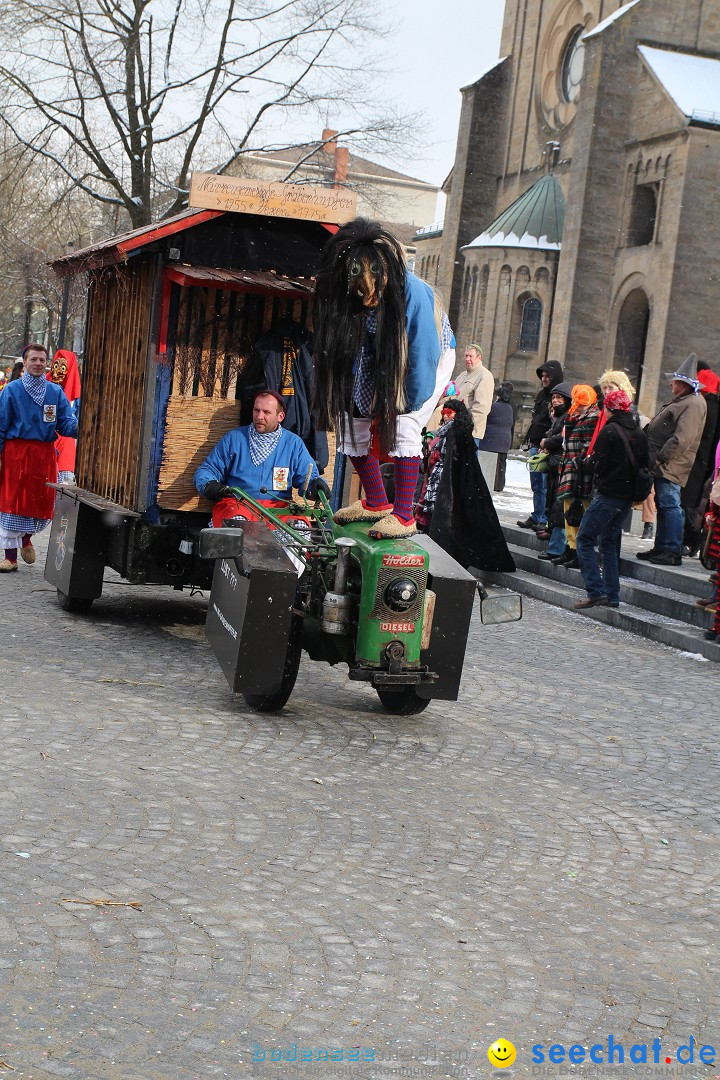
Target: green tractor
[[397, 612]]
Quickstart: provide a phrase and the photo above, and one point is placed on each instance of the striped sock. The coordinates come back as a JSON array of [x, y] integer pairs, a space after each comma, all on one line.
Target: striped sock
[[407, 470], [368, 469]]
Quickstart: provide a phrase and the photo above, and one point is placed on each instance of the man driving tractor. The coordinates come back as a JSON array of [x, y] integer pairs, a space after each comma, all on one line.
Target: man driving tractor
[[263, 458]]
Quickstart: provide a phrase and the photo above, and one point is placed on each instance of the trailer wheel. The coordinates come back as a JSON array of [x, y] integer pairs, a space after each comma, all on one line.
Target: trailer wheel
[[403, 702], [278, 700], [78, 604]]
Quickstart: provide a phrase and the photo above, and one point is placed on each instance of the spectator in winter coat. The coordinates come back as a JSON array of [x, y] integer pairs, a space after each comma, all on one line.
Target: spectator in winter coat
[[618, 380], [499, 431], [560, 402], [549, 374], [476, 387], [673, 438], [575, 480], [692, 499], [615, 479], [713, 606]]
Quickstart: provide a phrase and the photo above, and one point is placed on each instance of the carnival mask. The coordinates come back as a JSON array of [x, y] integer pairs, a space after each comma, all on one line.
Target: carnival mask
[[367, 278], [58, 371]]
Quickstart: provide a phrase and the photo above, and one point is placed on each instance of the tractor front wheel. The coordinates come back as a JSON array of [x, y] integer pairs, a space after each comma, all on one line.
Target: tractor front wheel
[[403, 702], [278, 700]]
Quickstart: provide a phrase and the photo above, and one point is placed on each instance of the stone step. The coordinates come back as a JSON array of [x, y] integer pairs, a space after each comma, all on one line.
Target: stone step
[[691, 578], [640, 621], [646, 596]]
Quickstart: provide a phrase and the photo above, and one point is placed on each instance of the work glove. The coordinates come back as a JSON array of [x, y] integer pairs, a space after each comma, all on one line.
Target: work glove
[[215, 491], [317, 484]]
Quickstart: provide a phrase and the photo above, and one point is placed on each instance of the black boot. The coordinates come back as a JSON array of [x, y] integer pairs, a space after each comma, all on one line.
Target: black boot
[[648, 531]]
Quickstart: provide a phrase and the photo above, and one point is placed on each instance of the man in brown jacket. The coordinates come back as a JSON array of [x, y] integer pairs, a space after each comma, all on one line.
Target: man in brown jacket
[[673, 438], [476, 388]]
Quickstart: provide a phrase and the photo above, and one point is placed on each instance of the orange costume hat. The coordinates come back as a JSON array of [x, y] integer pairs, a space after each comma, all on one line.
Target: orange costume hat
[[583, 397]]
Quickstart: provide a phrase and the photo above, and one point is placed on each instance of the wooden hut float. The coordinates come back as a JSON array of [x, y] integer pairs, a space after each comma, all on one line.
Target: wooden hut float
[[174, 311]]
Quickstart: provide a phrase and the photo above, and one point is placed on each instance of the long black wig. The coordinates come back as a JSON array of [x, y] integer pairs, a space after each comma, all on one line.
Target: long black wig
[[339, 324]]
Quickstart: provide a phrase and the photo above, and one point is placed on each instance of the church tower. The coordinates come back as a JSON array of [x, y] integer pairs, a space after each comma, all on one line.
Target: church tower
[[579, 225]]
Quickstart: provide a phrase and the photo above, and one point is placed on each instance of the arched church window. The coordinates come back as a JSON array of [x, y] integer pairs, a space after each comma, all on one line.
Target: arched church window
[[643, 215], [573, 65], [530, 325]]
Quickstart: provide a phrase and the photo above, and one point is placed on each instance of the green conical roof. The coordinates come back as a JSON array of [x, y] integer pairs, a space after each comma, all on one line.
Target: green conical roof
[[535, 220]]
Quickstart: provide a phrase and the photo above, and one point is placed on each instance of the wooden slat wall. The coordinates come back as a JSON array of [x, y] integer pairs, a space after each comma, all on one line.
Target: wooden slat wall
[[194, 426], [216, 332], [114, 382]]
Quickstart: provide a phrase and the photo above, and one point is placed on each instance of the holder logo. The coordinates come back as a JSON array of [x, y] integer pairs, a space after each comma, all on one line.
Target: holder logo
[[403, 560]]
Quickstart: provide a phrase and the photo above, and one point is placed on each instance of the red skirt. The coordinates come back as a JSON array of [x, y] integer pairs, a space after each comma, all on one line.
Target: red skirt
[[27, 467]]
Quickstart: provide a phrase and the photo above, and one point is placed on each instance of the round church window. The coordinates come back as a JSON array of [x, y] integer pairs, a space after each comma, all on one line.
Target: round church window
[[573, 64]]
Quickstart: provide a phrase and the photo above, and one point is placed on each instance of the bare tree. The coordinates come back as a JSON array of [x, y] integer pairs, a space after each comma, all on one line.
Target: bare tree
[[126, 97], [38, 218]]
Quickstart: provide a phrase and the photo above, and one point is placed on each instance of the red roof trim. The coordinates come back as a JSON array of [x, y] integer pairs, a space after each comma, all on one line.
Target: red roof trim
[[149, 236]]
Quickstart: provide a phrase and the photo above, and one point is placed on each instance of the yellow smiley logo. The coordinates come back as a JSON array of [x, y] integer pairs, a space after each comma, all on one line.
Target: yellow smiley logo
[[501, 1054]]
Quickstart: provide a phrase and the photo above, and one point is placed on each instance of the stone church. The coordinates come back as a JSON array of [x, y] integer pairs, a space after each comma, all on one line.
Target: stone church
[[583, 213]]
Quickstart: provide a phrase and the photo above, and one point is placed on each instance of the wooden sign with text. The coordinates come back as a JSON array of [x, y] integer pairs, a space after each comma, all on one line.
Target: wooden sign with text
[[308, 201]]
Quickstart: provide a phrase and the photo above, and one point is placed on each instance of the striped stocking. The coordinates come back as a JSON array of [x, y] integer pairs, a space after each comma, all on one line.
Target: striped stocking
[[368, 469], [406, 478]]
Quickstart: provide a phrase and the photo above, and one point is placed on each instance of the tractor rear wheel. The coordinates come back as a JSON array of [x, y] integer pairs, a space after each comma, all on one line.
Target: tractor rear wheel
[[275, 702], [403, 702], [79, 604]]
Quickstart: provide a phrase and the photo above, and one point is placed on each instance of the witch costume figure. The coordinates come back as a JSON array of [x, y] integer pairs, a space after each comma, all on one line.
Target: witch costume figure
[[455, 506], [384, 350]]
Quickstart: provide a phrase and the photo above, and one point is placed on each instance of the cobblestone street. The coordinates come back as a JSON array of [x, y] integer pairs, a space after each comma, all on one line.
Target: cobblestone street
[[537, 862]]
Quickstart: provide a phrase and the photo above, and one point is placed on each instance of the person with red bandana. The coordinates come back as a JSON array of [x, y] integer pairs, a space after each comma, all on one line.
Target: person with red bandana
[[33, 412]]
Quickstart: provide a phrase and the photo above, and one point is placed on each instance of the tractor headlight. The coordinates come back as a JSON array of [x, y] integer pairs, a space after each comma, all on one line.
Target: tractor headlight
[[401, 594]]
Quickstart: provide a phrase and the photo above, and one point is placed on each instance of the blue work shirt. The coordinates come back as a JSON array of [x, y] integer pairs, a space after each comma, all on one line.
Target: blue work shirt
[[230, 463], [23, 418]]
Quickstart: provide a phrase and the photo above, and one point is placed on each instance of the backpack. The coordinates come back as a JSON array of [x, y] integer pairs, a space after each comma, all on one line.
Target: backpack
[[643, 479]]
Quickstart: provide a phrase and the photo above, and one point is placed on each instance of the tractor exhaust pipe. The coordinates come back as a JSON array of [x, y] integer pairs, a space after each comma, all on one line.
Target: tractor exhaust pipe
[[337, 605]]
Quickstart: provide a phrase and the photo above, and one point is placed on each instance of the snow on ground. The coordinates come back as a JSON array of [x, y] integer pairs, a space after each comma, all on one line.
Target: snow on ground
[[516, 500]]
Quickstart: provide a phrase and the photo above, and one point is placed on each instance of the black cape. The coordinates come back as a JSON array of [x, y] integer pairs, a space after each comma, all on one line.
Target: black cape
[[464, 521]]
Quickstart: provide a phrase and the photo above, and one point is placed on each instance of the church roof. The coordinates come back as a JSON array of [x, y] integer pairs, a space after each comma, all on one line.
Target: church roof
[[610, 20], [535, 220], [693, 82]]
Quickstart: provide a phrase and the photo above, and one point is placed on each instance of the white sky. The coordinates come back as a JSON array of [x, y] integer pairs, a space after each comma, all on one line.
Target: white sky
[[440, 45]]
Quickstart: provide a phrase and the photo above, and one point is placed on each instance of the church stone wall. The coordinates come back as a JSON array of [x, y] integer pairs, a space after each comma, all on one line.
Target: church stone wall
[[477, 165], [694, 323], [622, 137]]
